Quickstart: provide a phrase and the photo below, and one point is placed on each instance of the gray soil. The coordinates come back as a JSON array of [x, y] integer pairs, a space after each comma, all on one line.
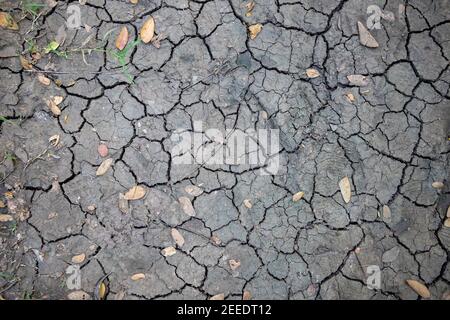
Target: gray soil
[[391, 139]]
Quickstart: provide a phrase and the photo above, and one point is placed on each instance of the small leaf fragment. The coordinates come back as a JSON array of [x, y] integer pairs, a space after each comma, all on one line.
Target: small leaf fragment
[[247, 295], [78, 258], [78, 295], [169, 251], [148, 30], [365, 37], [53, 107], [312, 73], [54, 140], [357, 80], [193, 190], [346, 189], [122, 38], [102, 150], [298, 196], [219, 296], [57, 99], [135, 193], [216, 240], [447, 222], [44, 80], [123, 204], [234, 264], [104, 166], [6, 218], [7, 21], [177, 237], [438, 185], [137, 276], [101, 292], [186, 205], [419, 288], [248, 204], [25, 63], [350, 97], [254, 30]]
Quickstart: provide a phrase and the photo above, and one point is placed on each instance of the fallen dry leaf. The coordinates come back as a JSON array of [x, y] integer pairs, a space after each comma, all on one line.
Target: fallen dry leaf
[[365, 37], [216, 240], [248, 203], [57, 99], [419, 288], [193, 190], [234, 264], [54, 140], [78, 258], [137, 276], [101, 292], [254, 30], [169, 251], [177, 237], [7, 21], [6, 218], [350, 97], [102, 150], [135, 193], [104, 166], [78, 295], [357, 80], [438, 185], [298, 196], [186, 205], [346, 189], [43, 79], [247, 295], [122, 38], [53, 107], [386, 212], [123, 203], [312, 73], [148, 30], [447, 222], [25, 63], [219, 296]]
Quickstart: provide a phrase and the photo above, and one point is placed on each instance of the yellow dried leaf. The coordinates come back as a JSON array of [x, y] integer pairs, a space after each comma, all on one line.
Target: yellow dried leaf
[[148, 30], [104, 166], [312, 73], [248, 204], [78, 258], [135, 193], [177, 237], [419, 288], [346, 189], [102, 291], [43, 79], [5, 218], [122, 38], [134, 1], [25, 63], [254, 30], [137, 276], [7, 21], [169, 251], [298, 196]]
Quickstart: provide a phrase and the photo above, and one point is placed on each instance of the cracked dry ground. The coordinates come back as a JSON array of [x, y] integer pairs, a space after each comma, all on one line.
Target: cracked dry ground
[[391, 141]]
